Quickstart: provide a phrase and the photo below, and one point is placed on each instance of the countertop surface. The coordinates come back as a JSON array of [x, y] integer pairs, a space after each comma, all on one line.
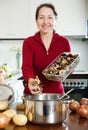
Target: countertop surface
[[73, 122]]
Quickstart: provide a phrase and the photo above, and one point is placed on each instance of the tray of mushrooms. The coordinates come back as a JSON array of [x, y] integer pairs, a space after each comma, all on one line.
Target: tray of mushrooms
[[62, 66]]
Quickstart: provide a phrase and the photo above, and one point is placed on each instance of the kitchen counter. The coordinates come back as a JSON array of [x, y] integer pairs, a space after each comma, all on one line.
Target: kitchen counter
[[73, 122]]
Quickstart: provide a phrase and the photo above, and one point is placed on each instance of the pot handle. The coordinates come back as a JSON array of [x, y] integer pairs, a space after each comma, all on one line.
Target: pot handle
[[66, 93], [67, 101]]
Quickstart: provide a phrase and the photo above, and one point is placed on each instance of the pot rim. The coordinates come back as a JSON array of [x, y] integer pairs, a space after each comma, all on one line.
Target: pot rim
[[46, 97]]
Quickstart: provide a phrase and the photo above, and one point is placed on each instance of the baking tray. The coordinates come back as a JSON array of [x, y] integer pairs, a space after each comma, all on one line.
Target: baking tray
[[60, 73]]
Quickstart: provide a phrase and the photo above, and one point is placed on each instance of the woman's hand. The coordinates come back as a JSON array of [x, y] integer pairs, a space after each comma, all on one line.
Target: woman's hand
[[34, 85]]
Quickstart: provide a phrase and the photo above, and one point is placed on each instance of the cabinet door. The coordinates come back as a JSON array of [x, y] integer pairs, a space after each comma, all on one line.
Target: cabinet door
[[17, 17], [71, 20], [86, 5], [14, 18], [71, 16]]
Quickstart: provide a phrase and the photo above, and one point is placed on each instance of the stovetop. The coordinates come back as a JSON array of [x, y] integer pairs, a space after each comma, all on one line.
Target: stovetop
[[77, 79]]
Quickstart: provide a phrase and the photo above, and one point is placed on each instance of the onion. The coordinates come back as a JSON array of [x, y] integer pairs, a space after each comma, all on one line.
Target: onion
[[83, 111], [4, 120], [84, 101], [74, 105]]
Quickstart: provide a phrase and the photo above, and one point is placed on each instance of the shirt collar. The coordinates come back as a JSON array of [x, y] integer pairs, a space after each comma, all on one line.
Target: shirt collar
[[55, 36]]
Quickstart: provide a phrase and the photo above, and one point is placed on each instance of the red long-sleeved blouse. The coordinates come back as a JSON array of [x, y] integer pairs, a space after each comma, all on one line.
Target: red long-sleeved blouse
[[35, 58]]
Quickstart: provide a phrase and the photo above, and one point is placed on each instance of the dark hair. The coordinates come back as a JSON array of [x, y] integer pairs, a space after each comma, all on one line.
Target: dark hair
[[49, 5]]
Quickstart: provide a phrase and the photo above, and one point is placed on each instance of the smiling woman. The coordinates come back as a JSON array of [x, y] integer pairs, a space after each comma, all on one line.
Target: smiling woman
[[42, 48]]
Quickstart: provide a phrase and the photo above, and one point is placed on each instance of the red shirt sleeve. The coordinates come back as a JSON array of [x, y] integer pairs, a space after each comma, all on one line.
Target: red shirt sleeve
[[27, 56]]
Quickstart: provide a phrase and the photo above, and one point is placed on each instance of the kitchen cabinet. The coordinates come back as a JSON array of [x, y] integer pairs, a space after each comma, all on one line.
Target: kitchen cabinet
[[17, 17], [86, 6], [71, 16], [86, 16], [14, 18]]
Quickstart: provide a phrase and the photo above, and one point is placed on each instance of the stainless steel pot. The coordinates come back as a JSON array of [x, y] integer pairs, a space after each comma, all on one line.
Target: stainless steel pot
[[46, 108]]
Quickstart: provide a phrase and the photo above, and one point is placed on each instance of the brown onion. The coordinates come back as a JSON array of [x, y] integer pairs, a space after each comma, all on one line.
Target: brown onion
[[83, 111], [84, 101], [4, 120], [74, 105]]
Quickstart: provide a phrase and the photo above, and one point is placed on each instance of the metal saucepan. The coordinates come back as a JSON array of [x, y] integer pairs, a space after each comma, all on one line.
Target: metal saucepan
[[47, 108], [6, 93]]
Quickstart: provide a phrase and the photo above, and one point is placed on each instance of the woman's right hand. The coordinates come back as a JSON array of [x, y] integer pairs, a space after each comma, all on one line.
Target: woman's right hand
[[33, 85]]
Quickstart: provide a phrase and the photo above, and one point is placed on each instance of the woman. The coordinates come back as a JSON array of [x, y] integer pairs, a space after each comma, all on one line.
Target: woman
[[41, 49]]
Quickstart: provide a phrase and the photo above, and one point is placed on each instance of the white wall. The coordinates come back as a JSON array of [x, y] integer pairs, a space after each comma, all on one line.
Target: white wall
[[7, 56], [81, 47]]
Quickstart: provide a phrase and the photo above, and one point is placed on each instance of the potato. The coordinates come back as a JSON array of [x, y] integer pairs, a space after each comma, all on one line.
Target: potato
[[30, 116], [20, 120], [10, 113], [3, 105], [21, 106]]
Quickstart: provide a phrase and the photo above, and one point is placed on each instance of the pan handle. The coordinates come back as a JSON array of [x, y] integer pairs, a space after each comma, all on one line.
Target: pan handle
[[67, 101], [60, 98]]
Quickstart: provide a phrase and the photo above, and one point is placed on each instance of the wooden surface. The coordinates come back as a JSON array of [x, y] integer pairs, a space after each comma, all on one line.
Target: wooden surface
[[73, 122]]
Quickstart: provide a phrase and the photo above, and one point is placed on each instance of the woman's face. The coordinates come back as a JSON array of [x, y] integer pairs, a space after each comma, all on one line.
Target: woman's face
[[46, 20]]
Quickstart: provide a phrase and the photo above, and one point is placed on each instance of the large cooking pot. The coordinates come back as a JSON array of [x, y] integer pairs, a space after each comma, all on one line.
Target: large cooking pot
[[46, 108]]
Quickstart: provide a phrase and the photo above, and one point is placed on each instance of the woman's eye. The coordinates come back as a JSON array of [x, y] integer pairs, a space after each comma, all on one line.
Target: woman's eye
[[40, 17], [50, 17], [43, 18]]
